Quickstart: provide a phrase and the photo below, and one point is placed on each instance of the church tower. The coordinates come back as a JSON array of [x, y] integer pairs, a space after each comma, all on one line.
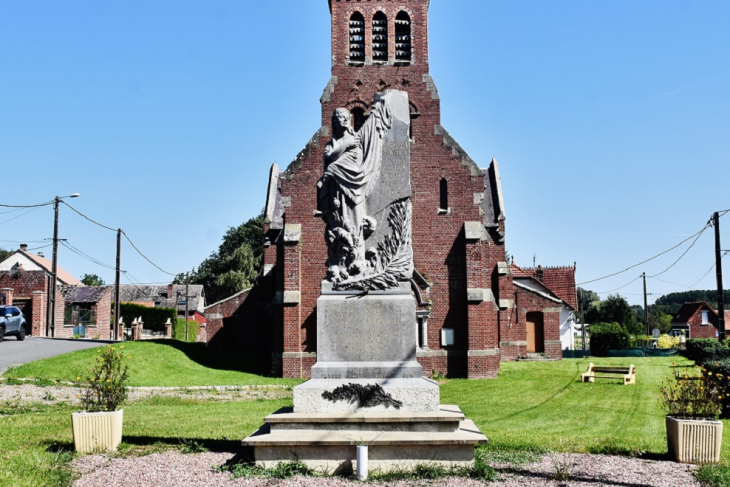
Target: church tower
[[462, 285]]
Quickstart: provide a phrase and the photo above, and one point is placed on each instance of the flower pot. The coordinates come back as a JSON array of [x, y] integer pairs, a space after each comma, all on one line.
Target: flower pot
[[694, 440], [98, 431]]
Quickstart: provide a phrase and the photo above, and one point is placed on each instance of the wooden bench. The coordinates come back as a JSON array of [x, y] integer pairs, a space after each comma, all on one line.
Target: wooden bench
[[628, 374]]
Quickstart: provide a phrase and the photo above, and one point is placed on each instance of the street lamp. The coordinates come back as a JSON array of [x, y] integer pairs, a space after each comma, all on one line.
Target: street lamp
[[54, 266]]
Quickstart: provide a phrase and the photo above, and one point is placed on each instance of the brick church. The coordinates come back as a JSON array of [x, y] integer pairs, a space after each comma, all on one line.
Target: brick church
[[471, 311]]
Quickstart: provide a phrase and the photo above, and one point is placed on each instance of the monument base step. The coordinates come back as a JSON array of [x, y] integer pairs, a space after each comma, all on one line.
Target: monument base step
[[442, 438]]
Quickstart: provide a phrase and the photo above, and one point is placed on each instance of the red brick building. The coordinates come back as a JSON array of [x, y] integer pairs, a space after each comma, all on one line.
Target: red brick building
[[696, 320], [462, 285]]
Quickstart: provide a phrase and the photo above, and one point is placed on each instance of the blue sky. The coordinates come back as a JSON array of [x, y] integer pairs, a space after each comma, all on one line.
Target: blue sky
[[609, 120]]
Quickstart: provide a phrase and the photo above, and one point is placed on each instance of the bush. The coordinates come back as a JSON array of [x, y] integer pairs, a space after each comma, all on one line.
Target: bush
[[178, 331], [703, 349], [720, 369], [103, 387], [608, 336], [666, 341], [694, 395], [153, 318]]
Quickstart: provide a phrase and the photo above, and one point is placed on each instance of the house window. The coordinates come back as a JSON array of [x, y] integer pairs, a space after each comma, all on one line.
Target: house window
[[357, 38], [403, 38], [380, 37], [705, 321], [79, 315], [447, 337]]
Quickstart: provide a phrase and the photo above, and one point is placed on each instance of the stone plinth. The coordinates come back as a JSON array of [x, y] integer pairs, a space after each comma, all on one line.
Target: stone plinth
[[396, 440]]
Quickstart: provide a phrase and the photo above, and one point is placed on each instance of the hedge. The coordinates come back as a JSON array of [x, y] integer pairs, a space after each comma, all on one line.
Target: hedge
[[703, 349], [608, 336], [153, 318], [178, 331]]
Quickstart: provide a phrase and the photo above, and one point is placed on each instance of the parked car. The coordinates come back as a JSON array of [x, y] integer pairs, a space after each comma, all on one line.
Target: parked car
[[12, 322]]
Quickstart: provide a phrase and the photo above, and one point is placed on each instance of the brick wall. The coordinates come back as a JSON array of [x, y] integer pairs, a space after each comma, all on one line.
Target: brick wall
[[698, 330]]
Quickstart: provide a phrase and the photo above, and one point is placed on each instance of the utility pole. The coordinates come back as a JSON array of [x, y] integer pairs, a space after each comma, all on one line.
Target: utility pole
[[718, 268], [187, 298], [582, 327], [117, 304], [54, 265], [646, 309]]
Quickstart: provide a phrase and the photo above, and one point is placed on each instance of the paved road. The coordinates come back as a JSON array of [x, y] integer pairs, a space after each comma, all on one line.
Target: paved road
[[13, 352]]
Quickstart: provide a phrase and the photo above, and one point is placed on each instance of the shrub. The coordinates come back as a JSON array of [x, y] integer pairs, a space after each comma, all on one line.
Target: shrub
[[608, 336], [697, 394], [703, 349], [720, 369], [103, 387], [178, 331], [666, 341], [153, 318]]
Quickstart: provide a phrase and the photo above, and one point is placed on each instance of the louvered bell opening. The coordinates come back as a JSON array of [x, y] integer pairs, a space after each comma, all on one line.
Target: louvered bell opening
[[380, 37], [357, 38], [403, 38]]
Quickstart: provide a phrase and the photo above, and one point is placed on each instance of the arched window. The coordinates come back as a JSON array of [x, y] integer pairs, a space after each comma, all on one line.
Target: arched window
[[357, 38], [380, 37], [358, 118], [403, 37], [444, 194]]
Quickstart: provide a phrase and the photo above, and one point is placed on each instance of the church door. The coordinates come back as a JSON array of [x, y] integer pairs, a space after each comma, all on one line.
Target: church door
[[535, 333]]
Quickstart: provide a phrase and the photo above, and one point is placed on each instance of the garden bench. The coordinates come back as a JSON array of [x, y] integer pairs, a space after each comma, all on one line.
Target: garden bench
[[628, 374]]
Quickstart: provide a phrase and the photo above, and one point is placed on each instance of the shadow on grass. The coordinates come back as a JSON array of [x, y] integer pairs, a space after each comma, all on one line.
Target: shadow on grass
[[59, 446], [207, 444], [251, 363]]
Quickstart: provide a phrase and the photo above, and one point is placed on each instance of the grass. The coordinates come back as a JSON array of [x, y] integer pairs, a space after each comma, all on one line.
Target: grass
[[162, 363], [532, 408]]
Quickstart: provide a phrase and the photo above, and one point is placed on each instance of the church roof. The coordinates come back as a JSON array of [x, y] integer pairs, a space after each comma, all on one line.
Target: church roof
[[560, 280]]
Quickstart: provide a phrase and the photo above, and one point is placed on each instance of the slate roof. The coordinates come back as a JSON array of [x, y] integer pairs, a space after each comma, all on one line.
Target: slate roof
[[688, 310], [559, 280], [129, 293], [83, 294]]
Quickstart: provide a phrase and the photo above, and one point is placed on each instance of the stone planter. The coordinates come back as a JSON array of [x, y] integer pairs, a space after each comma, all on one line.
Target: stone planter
[[694, 440], [99, 431]]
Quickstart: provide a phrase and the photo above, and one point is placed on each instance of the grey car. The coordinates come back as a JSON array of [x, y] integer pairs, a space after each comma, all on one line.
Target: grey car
[[12, 322]]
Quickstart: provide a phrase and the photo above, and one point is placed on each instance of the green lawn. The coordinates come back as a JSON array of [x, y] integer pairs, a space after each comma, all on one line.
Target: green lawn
[[162, 363], [530, 406]]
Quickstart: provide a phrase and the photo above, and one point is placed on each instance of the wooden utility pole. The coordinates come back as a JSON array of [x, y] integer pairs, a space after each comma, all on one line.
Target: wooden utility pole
[[117, 304], [187, 297], [718, 269], [54, 266], [646, 309]]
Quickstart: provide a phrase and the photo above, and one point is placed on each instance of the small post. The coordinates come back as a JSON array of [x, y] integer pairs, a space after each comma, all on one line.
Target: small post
[[362, 462]]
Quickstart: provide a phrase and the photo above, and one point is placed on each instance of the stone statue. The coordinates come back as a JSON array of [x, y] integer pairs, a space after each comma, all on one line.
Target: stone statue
[[353, 172]]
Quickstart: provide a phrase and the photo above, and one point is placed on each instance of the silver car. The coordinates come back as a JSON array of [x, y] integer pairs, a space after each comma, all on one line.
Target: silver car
[[12, 322]]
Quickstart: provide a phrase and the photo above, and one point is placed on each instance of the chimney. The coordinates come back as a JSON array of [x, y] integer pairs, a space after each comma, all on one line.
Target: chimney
[[40, 254], [24, 247], [171, 292], [539, 273]]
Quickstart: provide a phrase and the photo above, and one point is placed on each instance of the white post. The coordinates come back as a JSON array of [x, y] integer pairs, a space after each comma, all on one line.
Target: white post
[[362, 462]]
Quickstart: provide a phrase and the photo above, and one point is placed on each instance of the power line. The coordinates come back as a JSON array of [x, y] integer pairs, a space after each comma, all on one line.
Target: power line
[[87, 218], [144, 256], [685, 252], [27, 206], [18, 216], [84, 255], [614, 290], [649, 259]]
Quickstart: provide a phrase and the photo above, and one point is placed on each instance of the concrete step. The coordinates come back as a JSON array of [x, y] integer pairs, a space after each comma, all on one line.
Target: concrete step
[[446, 419]]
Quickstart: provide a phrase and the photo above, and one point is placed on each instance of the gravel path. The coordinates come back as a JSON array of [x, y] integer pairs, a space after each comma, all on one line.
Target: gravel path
[[173, 468]]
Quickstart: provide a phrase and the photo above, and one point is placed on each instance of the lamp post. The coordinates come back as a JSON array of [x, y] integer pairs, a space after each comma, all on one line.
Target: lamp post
[[54, 266]]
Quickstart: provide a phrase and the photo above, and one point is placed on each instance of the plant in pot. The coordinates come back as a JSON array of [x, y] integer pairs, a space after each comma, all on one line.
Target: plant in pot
[[103, 389], [693, 401]]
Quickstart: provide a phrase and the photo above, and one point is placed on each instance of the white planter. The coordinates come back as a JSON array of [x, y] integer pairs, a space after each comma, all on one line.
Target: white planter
[[694, 440], [96, 432]]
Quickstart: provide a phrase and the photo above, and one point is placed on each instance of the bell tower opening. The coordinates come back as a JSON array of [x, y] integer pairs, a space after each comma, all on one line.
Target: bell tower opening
[[380, 37], [357, 38], [403, 38]]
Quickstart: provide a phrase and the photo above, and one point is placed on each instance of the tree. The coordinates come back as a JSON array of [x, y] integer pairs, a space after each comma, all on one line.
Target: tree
[[586, 299], [617, 309], [660, 321], [236, 264], [4, 254], [92, 280]]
